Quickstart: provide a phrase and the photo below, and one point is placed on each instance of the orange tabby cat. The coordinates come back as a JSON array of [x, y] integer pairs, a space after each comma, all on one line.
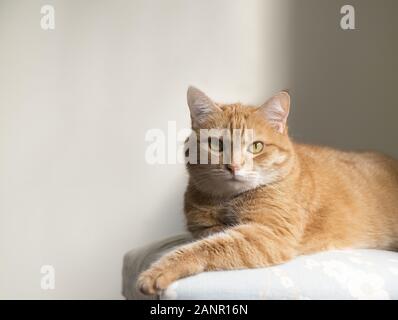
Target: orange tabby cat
[[292, 199]]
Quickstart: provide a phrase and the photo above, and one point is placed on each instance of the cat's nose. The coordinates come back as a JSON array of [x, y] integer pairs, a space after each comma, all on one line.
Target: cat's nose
[[232, 168]]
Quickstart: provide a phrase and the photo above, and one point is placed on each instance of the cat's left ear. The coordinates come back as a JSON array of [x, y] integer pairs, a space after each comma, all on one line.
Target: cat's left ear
[[276, 110]]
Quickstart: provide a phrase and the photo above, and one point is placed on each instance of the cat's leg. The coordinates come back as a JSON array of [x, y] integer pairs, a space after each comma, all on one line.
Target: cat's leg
[[203, 232], [244, 246]]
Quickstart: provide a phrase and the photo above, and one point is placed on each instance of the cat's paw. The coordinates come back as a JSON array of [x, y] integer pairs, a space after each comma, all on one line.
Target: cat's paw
[[155, 280], [178, 264]]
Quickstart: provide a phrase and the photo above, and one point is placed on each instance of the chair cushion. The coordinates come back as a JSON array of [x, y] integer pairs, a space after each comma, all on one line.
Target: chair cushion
[[344, 274]]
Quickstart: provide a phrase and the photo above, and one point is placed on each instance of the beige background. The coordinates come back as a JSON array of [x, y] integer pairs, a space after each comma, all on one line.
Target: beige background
[[76, 102]]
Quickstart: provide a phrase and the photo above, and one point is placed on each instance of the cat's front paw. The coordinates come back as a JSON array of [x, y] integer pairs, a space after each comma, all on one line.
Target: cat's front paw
[[155, 279], [175, 265]]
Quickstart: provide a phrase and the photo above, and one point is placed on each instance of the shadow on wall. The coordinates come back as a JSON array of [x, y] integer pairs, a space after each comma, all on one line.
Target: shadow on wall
[[343, 81]]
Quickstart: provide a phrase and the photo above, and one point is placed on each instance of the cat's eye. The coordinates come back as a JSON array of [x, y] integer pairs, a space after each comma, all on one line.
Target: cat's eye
[[256, 147], [216, 144]]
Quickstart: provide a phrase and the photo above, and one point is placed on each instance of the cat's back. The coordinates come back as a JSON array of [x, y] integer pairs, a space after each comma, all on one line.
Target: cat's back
[[365, 169], [353, 187]]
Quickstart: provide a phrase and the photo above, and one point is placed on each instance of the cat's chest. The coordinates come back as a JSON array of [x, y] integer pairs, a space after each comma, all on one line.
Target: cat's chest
[[252, 207]]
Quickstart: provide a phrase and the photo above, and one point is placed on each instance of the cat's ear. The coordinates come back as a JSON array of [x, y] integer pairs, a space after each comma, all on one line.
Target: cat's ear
[[200, 105], [276, 111]]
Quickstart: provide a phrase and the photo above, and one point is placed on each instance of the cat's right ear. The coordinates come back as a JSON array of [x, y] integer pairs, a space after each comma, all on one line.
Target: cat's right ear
[[200, 106]]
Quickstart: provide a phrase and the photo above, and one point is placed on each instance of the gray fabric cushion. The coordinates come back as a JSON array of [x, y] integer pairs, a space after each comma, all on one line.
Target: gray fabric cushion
[[346, 274]]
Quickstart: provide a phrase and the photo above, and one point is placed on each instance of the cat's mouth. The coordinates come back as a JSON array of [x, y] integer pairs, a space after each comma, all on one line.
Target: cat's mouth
[[237, 178]]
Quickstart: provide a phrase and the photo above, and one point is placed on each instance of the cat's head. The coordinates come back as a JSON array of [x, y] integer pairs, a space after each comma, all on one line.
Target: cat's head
[[237, 147]]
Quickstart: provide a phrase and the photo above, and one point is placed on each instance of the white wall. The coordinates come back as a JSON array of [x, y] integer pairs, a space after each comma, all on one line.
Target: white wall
[[75, 104]]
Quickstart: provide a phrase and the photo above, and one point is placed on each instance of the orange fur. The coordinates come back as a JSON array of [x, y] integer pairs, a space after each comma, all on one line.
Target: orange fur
[[320, 199]]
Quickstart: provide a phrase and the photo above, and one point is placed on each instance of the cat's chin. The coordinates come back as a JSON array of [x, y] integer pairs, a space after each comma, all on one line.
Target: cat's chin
[[227, 188], [236, 186]]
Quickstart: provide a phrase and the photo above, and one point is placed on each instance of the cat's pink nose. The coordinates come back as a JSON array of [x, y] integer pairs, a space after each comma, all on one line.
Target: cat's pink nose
[[232, 168]]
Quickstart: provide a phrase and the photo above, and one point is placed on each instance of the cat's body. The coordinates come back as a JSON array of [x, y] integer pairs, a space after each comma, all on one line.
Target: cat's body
[[331, 199], [293, 199]]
